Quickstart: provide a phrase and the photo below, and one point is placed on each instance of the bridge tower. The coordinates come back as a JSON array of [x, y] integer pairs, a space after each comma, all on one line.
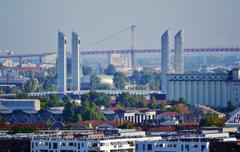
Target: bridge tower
[[133, 27]]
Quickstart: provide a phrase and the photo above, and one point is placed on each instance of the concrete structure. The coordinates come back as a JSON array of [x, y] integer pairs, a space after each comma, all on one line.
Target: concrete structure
[[133, 46], [62, 62], [165, 59], [75, 62], [206, 89], [178, 53]]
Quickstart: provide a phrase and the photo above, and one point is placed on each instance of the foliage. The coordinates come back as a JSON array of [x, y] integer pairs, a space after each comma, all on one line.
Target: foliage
[[94, 81], [51, 100], [110, 70], [70, 112], [89, 111], [119, 80], [48, 85], [154, 105], [129, 100], [212, 121], [22, 129], [96, 98], [21, 96], [181, 108], [32, 85], [126, 125], [146, 78], [86, 70], [231, 106]]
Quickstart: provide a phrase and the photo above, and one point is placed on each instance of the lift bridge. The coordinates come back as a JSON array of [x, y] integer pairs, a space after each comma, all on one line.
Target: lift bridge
[[132, 51]]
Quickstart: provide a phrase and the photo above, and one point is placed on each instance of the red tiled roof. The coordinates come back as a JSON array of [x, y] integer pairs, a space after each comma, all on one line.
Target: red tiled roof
[[163, 129], [33, 69], [93, 122]]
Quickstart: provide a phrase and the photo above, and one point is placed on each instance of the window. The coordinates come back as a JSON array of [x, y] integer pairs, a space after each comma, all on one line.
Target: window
[[136, 146], [203, 147], [149, 147], [143, 146], [54, 145]]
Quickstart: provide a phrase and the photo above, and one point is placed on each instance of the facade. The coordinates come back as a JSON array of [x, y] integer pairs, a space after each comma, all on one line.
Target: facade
[[85, 145], [178, 56], [120, 62], [62, 62], [174, 145], [135, 116], [165, 59], [206, 89], [75, 62], [20, 104]]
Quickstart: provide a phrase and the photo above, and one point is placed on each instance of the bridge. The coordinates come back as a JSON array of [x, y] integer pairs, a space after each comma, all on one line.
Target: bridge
[[108, 92], [132, 51], [98, 52]]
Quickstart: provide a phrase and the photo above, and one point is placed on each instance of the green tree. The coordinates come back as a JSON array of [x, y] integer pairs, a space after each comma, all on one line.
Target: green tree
[[110, 70], [70, 112], [94, 81], [32, 85], [127, 125], [119, 80], [87, 70], [231, 106], [89, 111], [96, 98], [129, 100], [212, 121], [51, 100], [22, 129], [48, 85]]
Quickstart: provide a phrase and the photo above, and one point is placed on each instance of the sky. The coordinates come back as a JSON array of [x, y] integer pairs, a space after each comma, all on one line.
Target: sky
[[31, 26]]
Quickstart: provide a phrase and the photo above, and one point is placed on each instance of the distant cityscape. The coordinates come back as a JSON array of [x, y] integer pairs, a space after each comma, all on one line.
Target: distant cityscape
[[73, 101]]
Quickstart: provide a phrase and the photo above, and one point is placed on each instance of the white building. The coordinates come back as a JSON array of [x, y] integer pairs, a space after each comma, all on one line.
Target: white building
[[174, 145], [165, 59], [206, 89], [75, 62], [20, 104], [85, 145], [178, 50], [62, 62]]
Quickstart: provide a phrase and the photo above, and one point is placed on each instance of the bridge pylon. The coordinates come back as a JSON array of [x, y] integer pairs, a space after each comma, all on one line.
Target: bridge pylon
[[133, 27]]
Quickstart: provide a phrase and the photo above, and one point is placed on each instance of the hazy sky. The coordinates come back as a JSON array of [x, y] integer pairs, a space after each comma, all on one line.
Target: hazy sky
[[30, 26]]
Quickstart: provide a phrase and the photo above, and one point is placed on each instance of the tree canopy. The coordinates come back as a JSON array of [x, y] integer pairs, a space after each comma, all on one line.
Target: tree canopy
[[119, 80], [110, 70], [94, 81]]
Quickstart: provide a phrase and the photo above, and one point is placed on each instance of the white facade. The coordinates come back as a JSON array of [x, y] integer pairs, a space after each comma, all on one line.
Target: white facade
[[206, 89], [174, 145], [62, 62], [165, 59], [21, 104], [85, 145], [138, 117], [75, 62], [178, 56]]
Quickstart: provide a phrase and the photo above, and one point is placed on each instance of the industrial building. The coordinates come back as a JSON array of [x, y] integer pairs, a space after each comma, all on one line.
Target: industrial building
[[206, 89]]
